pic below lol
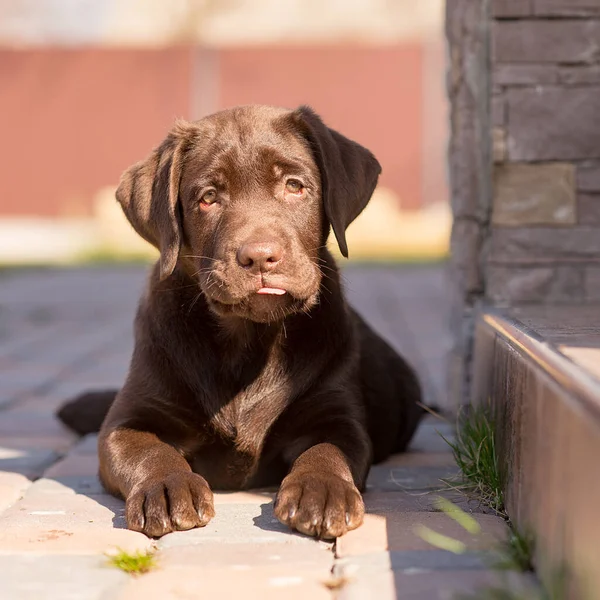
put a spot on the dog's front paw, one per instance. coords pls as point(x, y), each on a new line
point(319, 504)
point(180, 501)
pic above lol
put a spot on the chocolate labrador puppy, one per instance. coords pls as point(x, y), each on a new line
point(249, 368)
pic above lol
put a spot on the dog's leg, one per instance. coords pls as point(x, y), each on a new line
point(320, 496)
point(161, 492)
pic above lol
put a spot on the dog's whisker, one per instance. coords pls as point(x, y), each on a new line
point(199, 256)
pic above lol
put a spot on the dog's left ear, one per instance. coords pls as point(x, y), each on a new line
point(149, 194)
point(349, 172)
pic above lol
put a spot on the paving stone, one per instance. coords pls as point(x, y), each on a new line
point(382, 503)
point(78, 472)
point(98, 540)
point(51, 518)
point(540, 194)
point(74, 464)
point(258, 497)
point(51, 577)
point(272, 582)
point(29, 462)
point(420, 459)
point(39, 405)
point(9, 395)
point(87, 445)
point(65, 511)
point(397, 531)
point(428, 585)
point(27, 376)
point(12, 487)
point(382, 477)
point(48, 486)
point(60, 443)
point(430, 437)
point(410, 560)
point(27, 424)
point(243, 555)
point(239, 524)
point(82, 484)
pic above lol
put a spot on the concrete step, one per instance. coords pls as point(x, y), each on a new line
point(539, 368)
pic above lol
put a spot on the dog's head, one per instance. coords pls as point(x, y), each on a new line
point(244, 199)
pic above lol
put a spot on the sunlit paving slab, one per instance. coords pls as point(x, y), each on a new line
point(239, 523)
point(270, 582)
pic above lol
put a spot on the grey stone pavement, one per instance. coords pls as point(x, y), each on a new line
point(66, 331)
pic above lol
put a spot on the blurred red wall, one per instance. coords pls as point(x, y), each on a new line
point(73, 119)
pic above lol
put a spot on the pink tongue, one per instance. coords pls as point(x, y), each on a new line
point(276, 291)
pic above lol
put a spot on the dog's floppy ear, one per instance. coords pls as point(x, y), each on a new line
point(349, 172)
point(149, 192)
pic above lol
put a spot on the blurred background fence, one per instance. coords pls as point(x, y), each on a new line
point(88, 87)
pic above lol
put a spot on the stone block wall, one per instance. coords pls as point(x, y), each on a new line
point(524, 88)
point(544, 244)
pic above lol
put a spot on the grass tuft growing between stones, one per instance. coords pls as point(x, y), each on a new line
point(476, 456)
point(133, 563)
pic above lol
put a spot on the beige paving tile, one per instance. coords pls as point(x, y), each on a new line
point(249, 497)
point(23, 539)
point(248, 555)
point(55, 577)
point(426, 585)
point(273, 582)
point(12, 487)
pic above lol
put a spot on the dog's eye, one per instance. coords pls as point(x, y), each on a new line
point(294, 186)
point(209, 197)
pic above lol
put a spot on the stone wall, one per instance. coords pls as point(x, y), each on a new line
point(469, 154)
point(532, 236)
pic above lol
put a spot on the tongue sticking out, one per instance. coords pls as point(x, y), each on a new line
point(274, 291)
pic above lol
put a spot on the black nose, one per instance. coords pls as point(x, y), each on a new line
point(259, 256)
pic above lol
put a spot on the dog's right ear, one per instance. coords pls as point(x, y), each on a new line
point(149, 194)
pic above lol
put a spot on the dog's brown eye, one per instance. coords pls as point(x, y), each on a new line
point(209, 197)
point(294, 186)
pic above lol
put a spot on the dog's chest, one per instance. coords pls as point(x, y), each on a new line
point(238, 427)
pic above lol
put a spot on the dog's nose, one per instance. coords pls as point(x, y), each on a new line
point(259, 256)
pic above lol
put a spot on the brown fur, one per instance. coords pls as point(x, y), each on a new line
point(229, 389)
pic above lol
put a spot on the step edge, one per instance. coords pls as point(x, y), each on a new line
point(571, 377)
